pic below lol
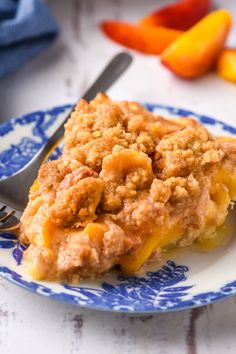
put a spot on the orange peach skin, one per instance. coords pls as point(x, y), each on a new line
point(180, 15)
point(226, 65)
point(148, 40)
point(195, 52)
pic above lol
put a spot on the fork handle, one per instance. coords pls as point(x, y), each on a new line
point(115, 68)
point(15, 189)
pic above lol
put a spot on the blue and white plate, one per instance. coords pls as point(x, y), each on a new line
point(188, 279)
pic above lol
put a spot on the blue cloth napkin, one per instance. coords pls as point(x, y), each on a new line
point(26, 29)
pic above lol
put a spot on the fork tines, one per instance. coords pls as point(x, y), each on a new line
point(9, 218)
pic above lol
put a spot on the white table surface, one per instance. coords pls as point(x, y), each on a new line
point(33, 324)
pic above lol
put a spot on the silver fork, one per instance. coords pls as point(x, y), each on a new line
point(14, 189)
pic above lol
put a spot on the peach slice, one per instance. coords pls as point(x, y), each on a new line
point(226, 65)
point(162, 237)
point(145, 39)
point(120, 163)
point(228, 178)
point(195, 52)
point(95, 232)
point(180, 15)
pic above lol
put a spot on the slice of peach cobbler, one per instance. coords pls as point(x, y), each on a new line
point(128, 184)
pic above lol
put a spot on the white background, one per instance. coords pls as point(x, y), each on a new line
point(33, 324)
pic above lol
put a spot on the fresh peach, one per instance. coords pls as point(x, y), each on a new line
point(145, 39)
point(196, 51)
point(180, 15)
point(226, 64)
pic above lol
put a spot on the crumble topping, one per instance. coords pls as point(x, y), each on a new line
point(124, 172)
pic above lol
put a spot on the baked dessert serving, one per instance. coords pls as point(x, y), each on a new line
point(128, 185)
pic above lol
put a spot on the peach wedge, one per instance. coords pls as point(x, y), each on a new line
point(144, 39)
point(195, 52)
point(226, 65)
